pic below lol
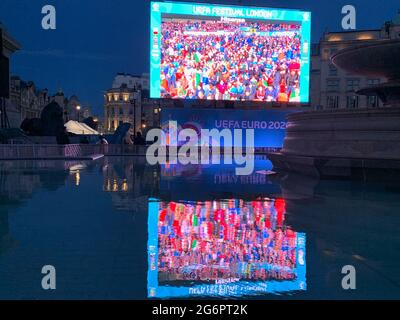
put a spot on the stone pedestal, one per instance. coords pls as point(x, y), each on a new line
point(340, 143)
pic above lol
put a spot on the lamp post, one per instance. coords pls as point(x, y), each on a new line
point(78, 109)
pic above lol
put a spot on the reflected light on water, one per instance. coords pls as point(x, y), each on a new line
point(77, 178)
point(227, 248)
point(138, 235)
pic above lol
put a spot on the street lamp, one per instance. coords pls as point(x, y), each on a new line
point(78, 108)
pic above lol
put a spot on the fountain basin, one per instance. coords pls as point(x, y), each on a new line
point(377, 59)
point(338, 143)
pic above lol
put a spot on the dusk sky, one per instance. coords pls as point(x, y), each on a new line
point(96, 39)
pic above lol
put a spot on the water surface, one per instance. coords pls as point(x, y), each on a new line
point(118, 228)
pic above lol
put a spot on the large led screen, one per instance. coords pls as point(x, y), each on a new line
point(230, 53)
point(228, 248)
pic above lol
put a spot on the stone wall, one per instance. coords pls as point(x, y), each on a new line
point(362, 134)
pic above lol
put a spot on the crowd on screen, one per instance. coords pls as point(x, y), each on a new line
point(209, 241)
point(230, 61)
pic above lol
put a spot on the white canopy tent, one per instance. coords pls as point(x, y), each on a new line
point(79, 128)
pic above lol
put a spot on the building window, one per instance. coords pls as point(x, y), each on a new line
point(332, 102)
point(353, 85)
point(352, 102)
point(373, 82)
point(332, 70)
point(126, 96)
point(116, 97)
point(121, 111)
point(332, 85)
point(372, 102)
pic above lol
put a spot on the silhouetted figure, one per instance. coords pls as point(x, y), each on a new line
point(62, 137)
point(139, 140)
point(128, 139)
point(103, 144)
point(102, 140)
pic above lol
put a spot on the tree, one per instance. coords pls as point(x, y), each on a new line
point(91, 123)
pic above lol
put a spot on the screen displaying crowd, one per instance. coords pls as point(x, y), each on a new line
point(229, 239)
point(236, 60)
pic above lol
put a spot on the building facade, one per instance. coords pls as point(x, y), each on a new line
point(122, 105)
point(27, 100)
point(128, 102)
point(8, 45)
point(332, 88)
point(141, 82)
point(75, 110)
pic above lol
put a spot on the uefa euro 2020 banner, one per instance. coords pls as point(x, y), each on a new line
point(269, 125)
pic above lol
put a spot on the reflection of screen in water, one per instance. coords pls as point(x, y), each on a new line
point(223, 248)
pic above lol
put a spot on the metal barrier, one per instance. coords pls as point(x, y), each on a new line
point(122, 149)
point(44, 151)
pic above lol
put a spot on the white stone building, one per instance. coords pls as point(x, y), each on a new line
point(128, 102)
point(140, 82)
